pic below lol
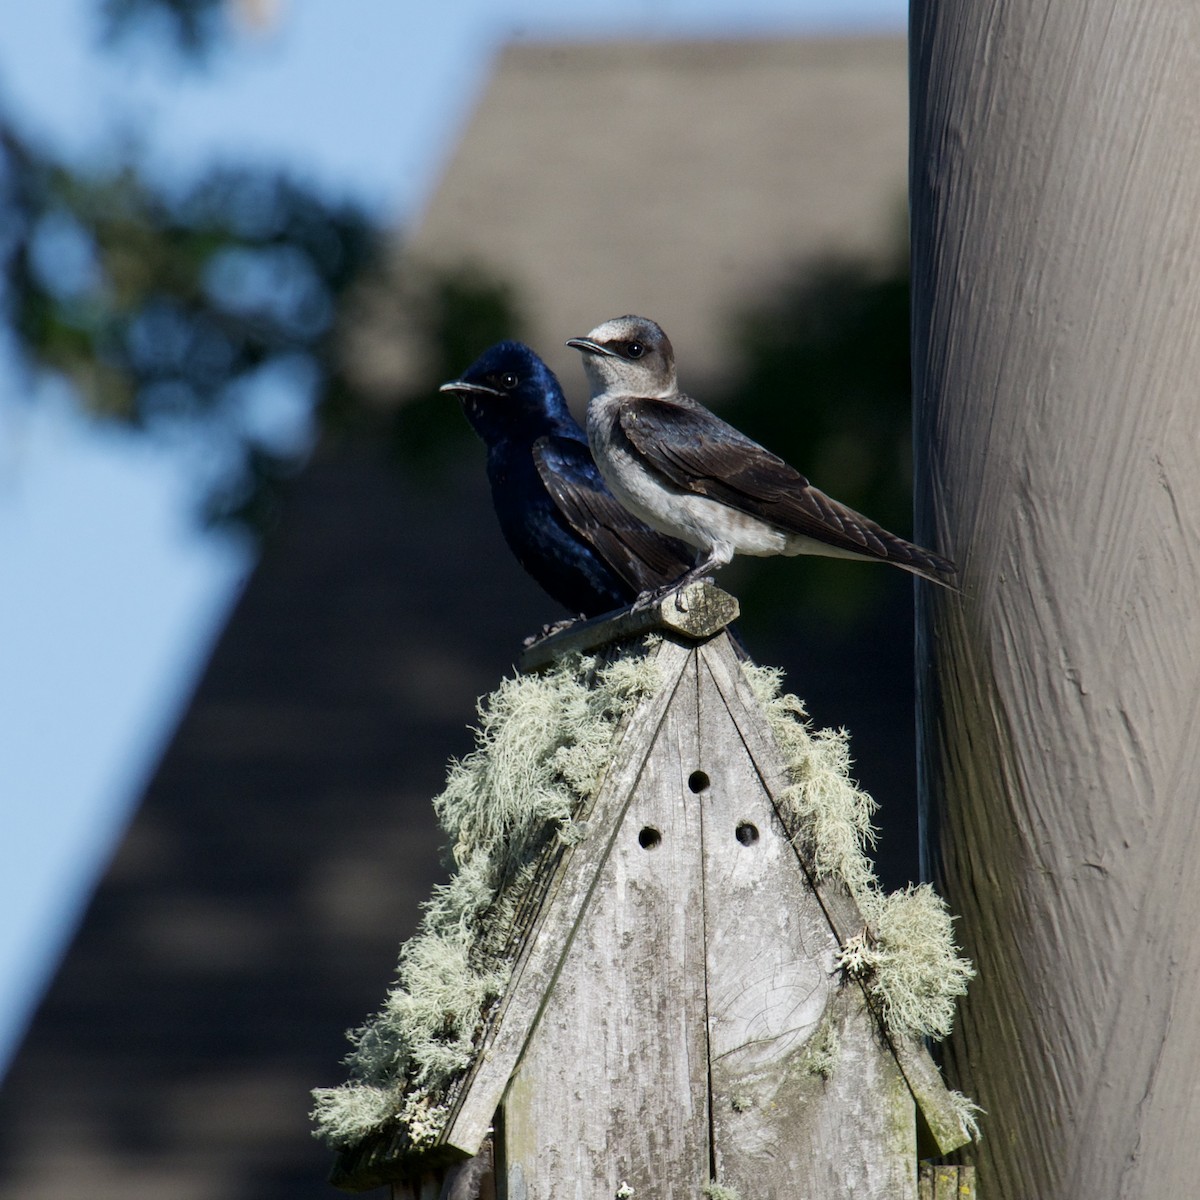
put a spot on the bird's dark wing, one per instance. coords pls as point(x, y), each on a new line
point(643, 558)
point(698, 452)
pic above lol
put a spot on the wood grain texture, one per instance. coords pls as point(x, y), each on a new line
point(941, 1125)
point(697, 1026)
point(936, 1182)
point(473, 1179)
point(755, 735)
point(613, 1084)
point(569, 891)
point(1056, 268)
point(785, 1123)
point(676, 1014)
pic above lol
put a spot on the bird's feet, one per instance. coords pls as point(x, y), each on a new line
point(550, 630)
point(651, 599)
point(677, 589)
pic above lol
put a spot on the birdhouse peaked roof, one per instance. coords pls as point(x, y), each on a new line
point(691, 924)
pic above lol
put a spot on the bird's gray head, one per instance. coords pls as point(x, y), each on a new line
point(628, 355)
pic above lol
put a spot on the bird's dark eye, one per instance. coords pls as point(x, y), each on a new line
point(634, 349)
point(508, 380)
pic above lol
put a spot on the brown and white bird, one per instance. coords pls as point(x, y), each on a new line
point(687, 473)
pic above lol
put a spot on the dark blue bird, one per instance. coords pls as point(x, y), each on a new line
point(557, 515)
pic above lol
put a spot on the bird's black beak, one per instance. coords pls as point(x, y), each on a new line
point(460, 387)
point(590, 347)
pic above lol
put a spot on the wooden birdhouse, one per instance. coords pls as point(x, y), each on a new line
point(683, 1017)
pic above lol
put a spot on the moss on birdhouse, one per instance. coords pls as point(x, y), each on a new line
point(906, 957)
point(541, 747)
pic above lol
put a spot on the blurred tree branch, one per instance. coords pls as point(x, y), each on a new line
point(170, 311)
point(191, 26)
point(217, 313)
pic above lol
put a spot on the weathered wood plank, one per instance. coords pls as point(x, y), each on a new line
point(804, 1102)
point(946, 1183)
point(675, 1015)
point(573, 884)
point(939, 1115)
point(612, 1088)
point(706, 610)
point(940, 1127)
point(751, 726)
point(1058, 430)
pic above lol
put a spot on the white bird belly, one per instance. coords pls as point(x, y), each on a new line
point(697, 520)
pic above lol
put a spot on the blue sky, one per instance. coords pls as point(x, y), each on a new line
point(110, 597)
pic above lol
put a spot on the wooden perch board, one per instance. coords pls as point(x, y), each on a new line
point(701, 610)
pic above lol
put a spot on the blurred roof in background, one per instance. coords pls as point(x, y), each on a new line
point(678, 180)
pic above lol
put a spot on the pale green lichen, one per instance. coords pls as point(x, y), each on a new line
point(821, 799)
point(822, 1050)
point(717, 1191)
point(968, 1113)
point(542, 745)
point(909, 961)
point(906, 957)
point(541, 748)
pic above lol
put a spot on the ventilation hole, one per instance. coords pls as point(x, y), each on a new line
point(746, 833)
point(698, 781)
point(649, 838)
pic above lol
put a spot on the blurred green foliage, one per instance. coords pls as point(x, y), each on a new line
point(177, 312)
point(462, 311)
point(213, 314)
point(822, 379)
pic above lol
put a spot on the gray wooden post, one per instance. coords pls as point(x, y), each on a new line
point(657, 1037)
point(1056, 317)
